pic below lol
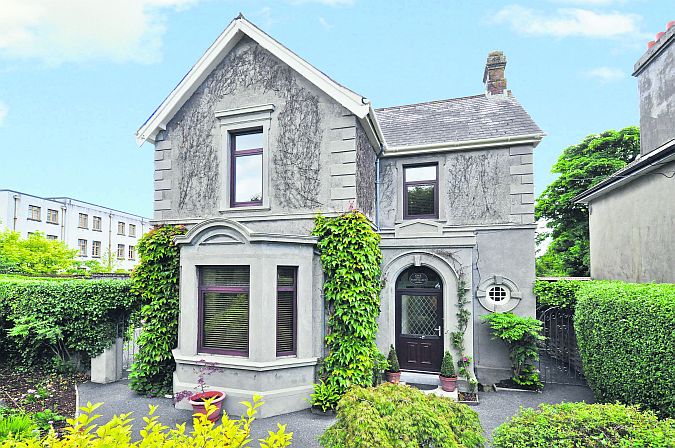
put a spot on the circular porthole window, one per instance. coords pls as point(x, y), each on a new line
point(498, 294)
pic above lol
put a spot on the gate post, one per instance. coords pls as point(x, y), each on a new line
point(107, 367)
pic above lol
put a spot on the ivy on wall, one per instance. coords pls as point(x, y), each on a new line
point(351, 256)
point(155, 280)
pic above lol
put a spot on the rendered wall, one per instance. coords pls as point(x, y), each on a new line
point(656, 82)
point(632, 230)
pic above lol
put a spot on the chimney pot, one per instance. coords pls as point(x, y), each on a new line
point(650, 44)
point(670, 25)
point(493, 77)
point(659, 35)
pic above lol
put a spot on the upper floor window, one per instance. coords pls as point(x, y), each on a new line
point(420, 191)
point(96, 249)
point(84, 221)
point(132, 252)
point(120, 251)
point(96, 223)
point(246, 168)
point(34, 212)
point(52, 216)
point(120, 228)
point(132, 229)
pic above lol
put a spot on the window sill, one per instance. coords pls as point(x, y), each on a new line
point(83, 228)
point(52, 222)
point(97, 230)
point(236, 362)
point(32, 219)
point(246, 207)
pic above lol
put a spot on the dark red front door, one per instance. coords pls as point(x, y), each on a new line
point(419, 329)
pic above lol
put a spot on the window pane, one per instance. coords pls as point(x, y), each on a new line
point(225, 321)
point(419, 315)
point(248, 178)
point(248, 141)
point(415, 173)
point(421, 200)
point(225, 276)
point(286, 293)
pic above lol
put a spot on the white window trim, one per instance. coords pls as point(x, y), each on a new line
point(513, 294)
point(239, 119)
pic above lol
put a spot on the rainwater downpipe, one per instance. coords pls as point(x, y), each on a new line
point(377, 190)
point(16, 207)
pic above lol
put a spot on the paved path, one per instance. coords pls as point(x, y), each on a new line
point(494, 409)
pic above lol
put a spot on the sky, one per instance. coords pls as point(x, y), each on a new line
point(78, 77)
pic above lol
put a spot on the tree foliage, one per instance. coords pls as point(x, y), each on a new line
point(579, 167)
point(155, 280)
point(35, 255)
point(350, 255)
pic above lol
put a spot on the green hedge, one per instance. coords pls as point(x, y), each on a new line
point(572, 425)
point(626, 336)
point(44, 320)
point(392, 415)
point(560, 293)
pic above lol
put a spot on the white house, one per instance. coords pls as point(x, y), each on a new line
point(91, 229)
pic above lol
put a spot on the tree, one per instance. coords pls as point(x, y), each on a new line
point(580, 167)
point(33, 255)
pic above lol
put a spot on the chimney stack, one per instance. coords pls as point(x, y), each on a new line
point(493, 77)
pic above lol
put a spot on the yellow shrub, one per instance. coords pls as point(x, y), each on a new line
point(82, 432)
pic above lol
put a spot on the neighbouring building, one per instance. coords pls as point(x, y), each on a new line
point(91, 229)
point(255, 141)
point(632, 213)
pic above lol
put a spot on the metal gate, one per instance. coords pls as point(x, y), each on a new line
point(129, 335)
point(559, 360)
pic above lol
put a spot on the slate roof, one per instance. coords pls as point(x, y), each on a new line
point(455, 120)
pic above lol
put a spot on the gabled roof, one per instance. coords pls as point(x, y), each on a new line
point(471, 118)
point(238, 28)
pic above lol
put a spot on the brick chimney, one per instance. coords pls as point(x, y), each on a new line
point(493, 77)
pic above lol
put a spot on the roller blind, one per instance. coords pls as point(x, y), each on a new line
point(286, 310)
point(224, 309)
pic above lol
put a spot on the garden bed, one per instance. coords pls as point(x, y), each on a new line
point(36, 392)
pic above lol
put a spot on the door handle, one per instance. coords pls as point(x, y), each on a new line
point(438, 330)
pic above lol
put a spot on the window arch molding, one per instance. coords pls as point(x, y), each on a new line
point(498, 294)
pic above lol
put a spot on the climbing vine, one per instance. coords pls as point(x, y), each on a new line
point(155, 280)
point(350, 255)
point(457, 337)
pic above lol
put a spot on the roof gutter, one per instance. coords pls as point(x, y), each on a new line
point(463, 145)
point(664, 154)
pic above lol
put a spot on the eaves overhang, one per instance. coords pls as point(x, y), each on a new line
point(532, 139)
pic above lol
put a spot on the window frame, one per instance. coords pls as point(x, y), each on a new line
point(200, 311)
point(79, 247)
point(131, 252)
point(94, 227)
point(121, 228)
point(293, 289)
point(132, 230)
point(100, 249)
point(51, 211)
point(406, 184)
point(86, 221)
point(122, 251)
point(234, 153)
point(31, 210)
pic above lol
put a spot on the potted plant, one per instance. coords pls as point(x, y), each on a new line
point(394, 369)
point(448, 376)
point(200, 399)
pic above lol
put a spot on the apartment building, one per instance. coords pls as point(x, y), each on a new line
point(92, 229)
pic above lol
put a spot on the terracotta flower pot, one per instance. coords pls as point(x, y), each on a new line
point(394, 377)
point(448, 383)
point(199, 406)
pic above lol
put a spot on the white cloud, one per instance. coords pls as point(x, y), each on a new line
point(324, 23)
point(4, 110)
point(75, 30)
point(605, 74)
point(569, 22)
point(586, 2)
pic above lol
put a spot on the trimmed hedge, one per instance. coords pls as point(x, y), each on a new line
point(572, 425)
point(43, 320)
point(626, 336)
point(392, 415)
point(561, 293)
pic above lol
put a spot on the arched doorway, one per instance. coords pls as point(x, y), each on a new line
point(419, 319)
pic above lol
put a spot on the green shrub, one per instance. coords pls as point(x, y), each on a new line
point(325, 396)
point(392, 359)
point(560, 293)
point(577, 425)
point(226, 433)
point(392, 415)
point(350, 255)
point(522, 334)
point(448, 365)
point(155, 280)
point(626, 336)
point(16, 427)
point(64, 321)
